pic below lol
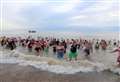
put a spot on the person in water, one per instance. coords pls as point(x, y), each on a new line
point(60, 51)
point(97, 46)
point(30, 45)
point(65, 46)
point(46, 49)
point(118, 58)
point(37, 47)
point(54, 48)
point(11, 44)
point(3, 41)
point(103, 44)
point(87, 48)
point(73, 51)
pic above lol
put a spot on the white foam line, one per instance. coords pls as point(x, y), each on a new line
point(59, 69)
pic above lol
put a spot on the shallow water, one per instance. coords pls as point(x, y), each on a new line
point(17, 73)
point(98, 61)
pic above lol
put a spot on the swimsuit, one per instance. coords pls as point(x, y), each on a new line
point(73, 52)
point(60, 53)
point(72, 55)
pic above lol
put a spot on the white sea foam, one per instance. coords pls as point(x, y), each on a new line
point(115, 70)
point(54, 65)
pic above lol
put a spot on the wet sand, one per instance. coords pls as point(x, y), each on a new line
point(17, 73)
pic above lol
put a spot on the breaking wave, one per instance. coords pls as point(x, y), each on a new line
point(53, 64)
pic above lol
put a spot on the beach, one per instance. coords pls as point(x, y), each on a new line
point(16, 73)
point(20, 65)
point(59, 41)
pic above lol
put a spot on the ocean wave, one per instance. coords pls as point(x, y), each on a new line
point(52, 64)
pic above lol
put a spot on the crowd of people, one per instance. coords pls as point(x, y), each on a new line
point(60, 47)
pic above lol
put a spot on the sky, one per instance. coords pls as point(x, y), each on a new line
point(60, 15)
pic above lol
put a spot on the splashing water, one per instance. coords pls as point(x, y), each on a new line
point(55, 65)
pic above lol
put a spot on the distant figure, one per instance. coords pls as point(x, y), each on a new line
point(97, 46)
point(103, 44)
point(23, 43)
point(3, 41)
point(115, 44)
